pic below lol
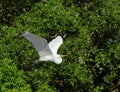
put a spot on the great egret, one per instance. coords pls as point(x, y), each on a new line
point(47, 52)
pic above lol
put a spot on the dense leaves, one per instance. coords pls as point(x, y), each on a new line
point(91, 33)
point(12, 79)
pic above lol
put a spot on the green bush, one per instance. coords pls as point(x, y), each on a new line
point(12, 79)
point(91, 36)
point(9, 9)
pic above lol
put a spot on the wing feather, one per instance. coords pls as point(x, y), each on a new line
point(55, 44)
point(40, 44)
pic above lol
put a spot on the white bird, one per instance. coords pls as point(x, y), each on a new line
point(47, 52)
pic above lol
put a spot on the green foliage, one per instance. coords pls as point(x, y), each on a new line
point(11, 79)
point(53, 19)
point(91, 36)
point(11, 8)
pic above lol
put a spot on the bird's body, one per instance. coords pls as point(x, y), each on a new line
point(55, 58)
point(47, 52)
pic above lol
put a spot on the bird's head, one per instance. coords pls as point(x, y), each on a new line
point(58, 59)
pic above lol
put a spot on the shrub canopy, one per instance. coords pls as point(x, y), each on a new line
point(91, 34)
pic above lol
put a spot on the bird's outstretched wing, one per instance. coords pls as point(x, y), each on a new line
point(40, 44)
point(55, 44)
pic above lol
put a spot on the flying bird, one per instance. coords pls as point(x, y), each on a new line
point(47, 51)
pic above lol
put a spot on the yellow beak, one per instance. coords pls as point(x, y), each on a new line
point(63, 55)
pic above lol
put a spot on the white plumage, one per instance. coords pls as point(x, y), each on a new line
point(47, 52)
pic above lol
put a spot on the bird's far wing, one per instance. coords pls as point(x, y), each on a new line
point(55, 44)
point(40, 44)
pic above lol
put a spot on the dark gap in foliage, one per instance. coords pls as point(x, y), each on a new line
point(81, 2)
point(103, 38)
point(29, 67)
point(99, 78)
point(62, 83)
point(106, 34)
point(12, 8)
